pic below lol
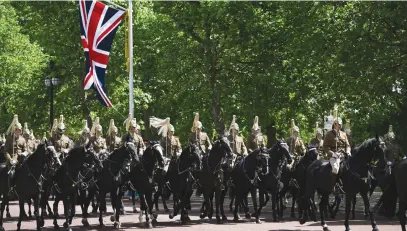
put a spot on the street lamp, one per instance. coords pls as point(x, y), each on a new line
point(51, 82)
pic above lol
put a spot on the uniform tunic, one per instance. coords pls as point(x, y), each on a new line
point(202, 139)
point(255, 142)
point(62, 143)
point(335, 141)
point(82, 141)
point(237, 145)
point(319, 145)
point(99, 143)
point(113, 143)
point(31, 145)
point(14, 146)
point(136, 140)
point(296, 146)
point(171, 146)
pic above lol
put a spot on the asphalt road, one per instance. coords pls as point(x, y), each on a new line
point(130, 221)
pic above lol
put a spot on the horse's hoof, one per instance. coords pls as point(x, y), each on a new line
point(326, 229)
point(258, 221)
point(167, 210)
point(56, 226)
point(94, 211)
point(85, 222)
point(2, 228)
point(303, 221)
point(149, 225)
point(157, 209)
point(171, 216)
point(112, 218)
point(8, 215)
point(224, 218)
point(57, 215)
point(41, 223)
point(202, 216)
point(122, 212)
point(218, 220)
point(117, 225)
point(39, 229)
point(101, 225)
point(248, 216)
point(236, 219)
point(254, 214)
point(66, 225)
point(375, 229)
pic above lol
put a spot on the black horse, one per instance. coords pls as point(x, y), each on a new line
point(114, 175)
point(142, 180)
point(182, 176)
point(298, 179)
point(353, 173)
point(212, 178)
point(245, 175)
point(163, 190)
point(69, 177)
point(28, 181)
point(271, 182)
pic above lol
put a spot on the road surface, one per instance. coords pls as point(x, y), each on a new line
point(130, 221)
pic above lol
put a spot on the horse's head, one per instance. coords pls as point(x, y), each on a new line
point(279, 151)
point(131, 153)
point(90, 158)
point(51, 153)
point(223, 144)
point(157, 153)
point(262, 159)
point(191, 156)
point(379, 148)
point(312, 153)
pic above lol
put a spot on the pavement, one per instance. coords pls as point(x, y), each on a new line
point(130, 221)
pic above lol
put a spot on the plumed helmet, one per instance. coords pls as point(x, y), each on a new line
point(318, 130)
point(54, 127)
point(347, 127)
point(233, 124)
point(296, 129)
point(390, 134)
point(85, 127)
point(96, 127)
point(14, 125)
point(196, 124)
point(328, 122)
point(61, 126)
point(44, 137)
point(26, 130)
point(338, 120)
point(171, 128)
point(163, 125)
point(112, 127)
point(255, 126)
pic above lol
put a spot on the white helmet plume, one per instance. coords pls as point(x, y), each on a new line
point(163, 125)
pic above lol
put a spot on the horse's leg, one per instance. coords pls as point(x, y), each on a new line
point(86, 202)
point(294, 193)
point(156, 198)
point(324, 201)
point(253, 193)
point(401, 215)
point(367, 205)
point(353, 208)
point(55, 207)
point(335, 207)
point(232, 199)
point(118, 208)
point(8, 215)
point(222, 200)
point(36, 201)
point(348, 201)
point(165, 204)
point(4, 202)
point(67, 210)
point(210, 205)
point(133, 198)
point(236, 216)
point(218, 191)
point(20, 217)
point(261, 201)
point(152, 214)
point(29, 203)
point(102, 202)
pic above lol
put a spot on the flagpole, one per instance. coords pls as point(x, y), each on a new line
point(131, 97)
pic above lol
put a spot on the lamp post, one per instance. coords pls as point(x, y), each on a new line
point(51, 82)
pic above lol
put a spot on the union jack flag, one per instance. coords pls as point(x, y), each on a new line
point(99, 24)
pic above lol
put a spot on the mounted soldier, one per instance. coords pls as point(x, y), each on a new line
point(393, 152)
point(113, 141)
point(170, 143)
point(239, 149)
point(256, 139)
point(318, 142)
point(36, 140)
point(96, 139)
point(335, 144)
point(14, 147)
point(131, 136)
point(31, 145)
point(85, 135)
point(295, 144)
point(61, 142)
point(199, 137)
